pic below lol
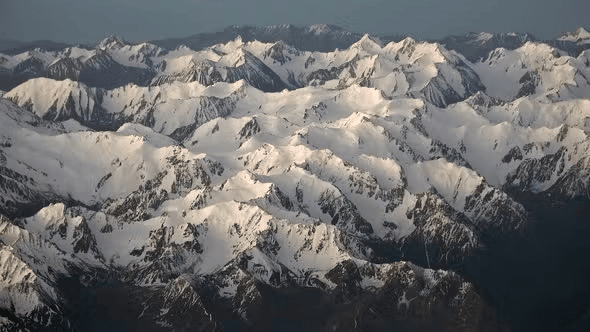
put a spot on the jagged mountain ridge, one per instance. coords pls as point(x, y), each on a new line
point(407, 68)
point(193, 104)
point(113, 62)
point(96, 67)
point(535, 69)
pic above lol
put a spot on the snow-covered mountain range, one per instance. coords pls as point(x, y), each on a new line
point(315, 37)
point(206, 181)
point(113, 62)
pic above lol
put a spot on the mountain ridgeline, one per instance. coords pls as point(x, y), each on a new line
point(296, 178)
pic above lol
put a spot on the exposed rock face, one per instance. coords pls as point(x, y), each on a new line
point(107, 110)
point(207, 72)
point(179, 300)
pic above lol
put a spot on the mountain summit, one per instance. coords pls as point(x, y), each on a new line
point(581, 35)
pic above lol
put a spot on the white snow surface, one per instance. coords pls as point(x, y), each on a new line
point(581, 36)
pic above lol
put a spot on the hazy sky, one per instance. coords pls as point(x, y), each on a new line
point(139, 20)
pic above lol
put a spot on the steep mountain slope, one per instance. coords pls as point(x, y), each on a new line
point(533, 145)
point(574, 42)
point(537, 70)
point(221, 63)
point(580, 36)
point(16, 69)
point(105, 66)
point(192, 104)
point(410, 67)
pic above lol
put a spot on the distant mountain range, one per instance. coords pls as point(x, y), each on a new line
point(327, 37)
point(319, 37)
point(114, 62)
point(16, 47)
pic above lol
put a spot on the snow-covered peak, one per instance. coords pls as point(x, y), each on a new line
point(581, 35)
point(36, 56)
point(484, 37)
point(50, 98)
point(529, 52)
point(536, 49)
point(407, 48)
point(13, 117)
point(154, 138)
point(368, 44)
point(113, 42)
point(408, 41)
point(584, 58)
point(318, 29)
point(230, 47)
point(230, 54)
point(533, 69)
point(138, 55)
point(496, 54)
point(409, 51)
point(77, 53)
